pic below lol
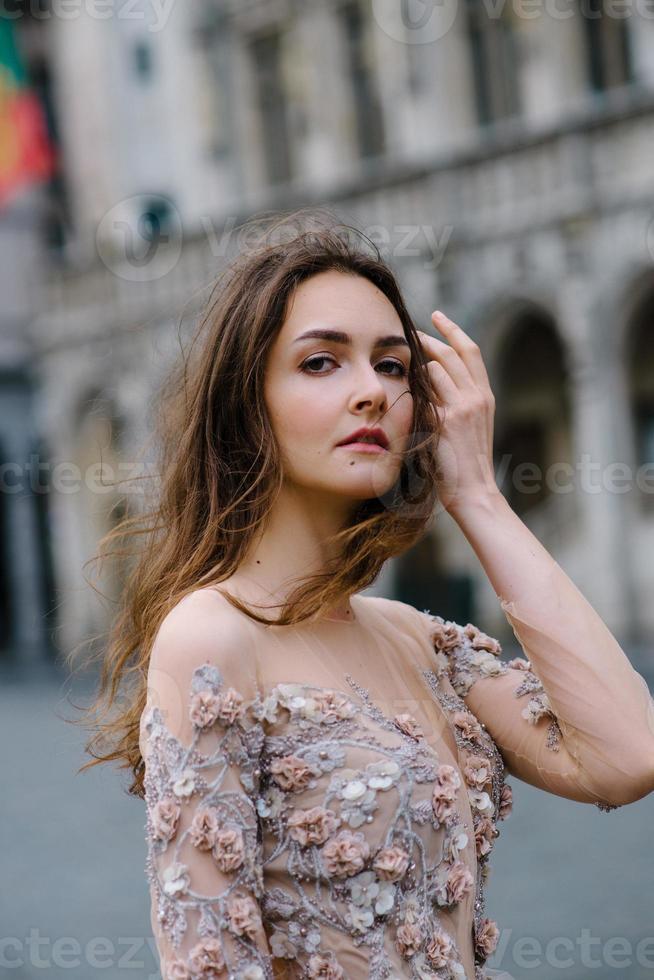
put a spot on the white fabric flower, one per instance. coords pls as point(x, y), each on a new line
point(266, 710)
point(271, 803)
point(361, 918)
point(386, 898)
point(176, 879)
point(185, 785)
point(353, 789)
point(480, 800)
point(536, 708)
point(251, 972)
point(282, 947)
point(364, 888)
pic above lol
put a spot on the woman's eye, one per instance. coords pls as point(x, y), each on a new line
point(319, 358)
point(396, 364)
point(313, 360)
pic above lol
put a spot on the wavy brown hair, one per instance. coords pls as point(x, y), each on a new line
point(220, 470)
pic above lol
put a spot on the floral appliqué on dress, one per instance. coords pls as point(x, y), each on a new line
point(278, 788)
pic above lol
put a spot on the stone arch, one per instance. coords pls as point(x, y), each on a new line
point(637, 346)
point(529, 369)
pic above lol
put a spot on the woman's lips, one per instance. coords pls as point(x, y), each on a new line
point(363, 447)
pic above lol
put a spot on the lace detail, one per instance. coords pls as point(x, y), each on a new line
point(369, 825)
point(321, 832)
point(472, 654)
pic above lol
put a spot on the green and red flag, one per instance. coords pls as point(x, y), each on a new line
point(26, 153)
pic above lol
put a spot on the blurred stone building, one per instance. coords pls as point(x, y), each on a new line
point(501, 155)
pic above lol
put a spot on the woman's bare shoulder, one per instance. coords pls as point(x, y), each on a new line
point(394, 609)
point(202, 625)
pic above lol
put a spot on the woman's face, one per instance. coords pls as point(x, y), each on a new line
point(319, 390)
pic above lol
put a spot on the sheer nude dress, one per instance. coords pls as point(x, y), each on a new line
point(322, 800)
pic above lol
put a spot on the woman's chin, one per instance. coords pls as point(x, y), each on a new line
point(364, 485)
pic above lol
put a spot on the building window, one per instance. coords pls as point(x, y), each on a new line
point(607, 45)
point(493, 52)
point(533, 425)
point(644, 414)
point(266, 52)
point(640, 374)
point(360, 59)
point(143, 64)
point(156, 219)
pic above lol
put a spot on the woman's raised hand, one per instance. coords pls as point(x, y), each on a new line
point(465, 449)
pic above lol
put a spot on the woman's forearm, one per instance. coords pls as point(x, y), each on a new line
point(603, 704)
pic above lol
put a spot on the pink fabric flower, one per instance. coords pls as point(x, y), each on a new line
point(408, 938)
point(408, 724)
point(230, 706)
point(312, 826)
point(506, 801)
point(444, 792)
point(204, 828)
point(448, 779)
point(291, 773)
point(333, 707)
point(519, 663)
point(477, 771)
point(481, 641)
point(229, 849)
point(243, 916)
point(165, 816)
point(324, 967)
point(467, 724)
point(485, 834)
point(345, 854)
point(204, 708)
point(206, 959)
point(459, 881)
point(486, 938)
point(439, 949)
point(391, 863)
point(445, 636)
point(178, 970)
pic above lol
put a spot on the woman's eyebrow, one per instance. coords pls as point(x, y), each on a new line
point(339, 337)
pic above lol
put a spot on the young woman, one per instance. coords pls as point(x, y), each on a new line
point(324, 771)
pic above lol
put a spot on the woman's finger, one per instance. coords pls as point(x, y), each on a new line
point(448, 358)
point(442, 382)
point(464, 345)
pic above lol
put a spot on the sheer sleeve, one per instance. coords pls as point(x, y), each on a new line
point(201, 746)
point(575, 718)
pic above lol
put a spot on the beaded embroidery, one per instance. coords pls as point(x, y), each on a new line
point(472, 654)
point(377, 888)
point(310, 768)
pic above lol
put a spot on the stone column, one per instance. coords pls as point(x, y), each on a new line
point(19, 267)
